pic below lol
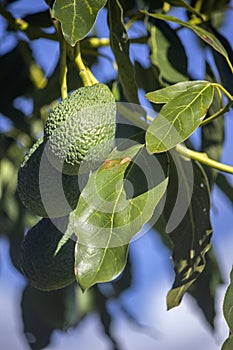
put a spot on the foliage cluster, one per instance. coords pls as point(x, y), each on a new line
point(182, 105)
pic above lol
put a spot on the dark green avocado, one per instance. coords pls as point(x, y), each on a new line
point(43, 189)
point(81, 130)
point(43, 269)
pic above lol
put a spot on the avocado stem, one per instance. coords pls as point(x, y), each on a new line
point(84, 73)
point(63, 69)
point(63, 60)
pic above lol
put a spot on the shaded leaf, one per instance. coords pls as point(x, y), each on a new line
point(42, 313)
point(212, 9)
point(225, 186)
point(182, 3)
point(205, 35)
point(105, 317)
point(228, 313)
point(186, 214)
point(77, 17)
point(105, 220)
point(167, 52)
point(119, 42)
point(39, 19)
point(180, 117)
point(147, 78)
point(124, 280)
point(204, 288)
point(223, 68)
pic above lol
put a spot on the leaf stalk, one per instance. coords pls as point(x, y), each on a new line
point(204, 159)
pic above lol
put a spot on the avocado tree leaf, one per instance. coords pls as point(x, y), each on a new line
point(228, 344)
point(186, 214)
point(147, 78)
point(105, 220)
point(182, 3)
point(203, 290)
point(167, 52)
point(205, 35)
point(223, 68)
point(168, 93)
point(180, 117)
point(228, 313)
point(42, 313)
point(119, 42)
point(212, 134)
point(225, 186)
point(77, 17)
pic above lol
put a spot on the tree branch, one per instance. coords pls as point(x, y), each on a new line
point(20, 24)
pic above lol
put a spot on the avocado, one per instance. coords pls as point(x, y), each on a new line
point(81, 130)
point(43, 269)
point(44, 190)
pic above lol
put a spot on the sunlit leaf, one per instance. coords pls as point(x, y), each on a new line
point(168, 93)
point(105, 220)
point(120, 46)
point(180, 117)
point(186, 214)
point(77, 17)
point(206, 36)
point(212, 134)
point(228, 313)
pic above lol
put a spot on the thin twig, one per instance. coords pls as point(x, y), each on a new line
point(22, 25)
point(203, 158)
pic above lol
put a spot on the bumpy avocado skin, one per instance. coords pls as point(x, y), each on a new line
point(81, 129)
point(43, 270)
point(42, 189)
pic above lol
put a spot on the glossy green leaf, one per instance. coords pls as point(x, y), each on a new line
point(119, 42)
point(168, 93)
point(167, 52)
point(228, 344)
point(206, 36)
point(105, 220)
point(182, 3)
point(212, 134)
point(186, 216)
point(180, 117)
point(228, 313)
point(77, 17)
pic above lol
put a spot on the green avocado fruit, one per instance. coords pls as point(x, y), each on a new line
point(80, 130)
point(43, 269)
point(43, 189)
